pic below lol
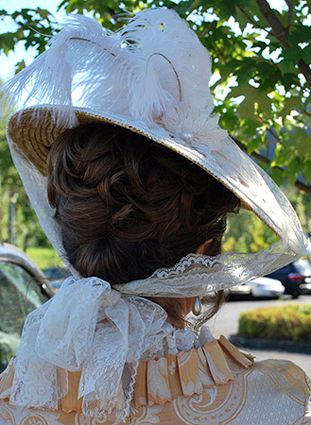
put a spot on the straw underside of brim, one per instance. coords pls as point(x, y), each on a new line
point(34, 134)
point(34, 131)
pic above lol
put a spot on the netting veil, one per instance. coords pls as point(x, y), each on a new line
point(152, 76)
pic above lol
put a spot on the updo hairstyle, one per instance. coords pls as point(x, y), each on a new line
point(127, 206)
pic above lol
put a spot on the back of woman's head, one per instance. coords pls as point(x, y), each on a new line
point(127, 206)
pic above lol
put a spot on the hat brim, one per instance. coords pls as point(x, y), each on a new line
point(33, 131)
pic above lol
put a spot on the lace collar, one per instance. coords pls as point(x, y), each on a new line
point(103, 342)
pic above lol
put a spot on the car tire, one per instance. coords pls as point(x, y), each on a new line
point(295, 296)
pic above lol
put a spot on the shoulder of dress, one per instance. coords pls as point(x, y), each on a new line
point(286, 375)
point(283, 367)
point(289, 380)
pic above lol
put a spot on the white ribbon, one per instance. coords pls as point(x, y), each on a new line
point(66, 331)
point(89, 327)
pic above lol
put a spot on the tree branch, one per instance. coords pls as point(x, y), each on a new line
point(249, 17)
point(281, 33)
point(305, 70)
point(290, 15)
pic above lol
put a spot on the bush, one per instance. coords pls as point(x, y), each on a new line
point(289, 322)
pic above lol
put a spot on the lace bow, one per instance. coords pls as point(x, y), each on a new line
point(89, 327)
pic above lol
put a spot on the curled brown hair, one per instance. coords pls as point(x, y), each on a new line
point(127, 206)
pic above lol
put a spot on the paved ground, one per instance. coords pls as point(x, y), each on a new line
point(226, 323)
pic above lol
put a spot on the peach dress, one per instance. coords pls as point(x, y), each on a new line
point(215, 384)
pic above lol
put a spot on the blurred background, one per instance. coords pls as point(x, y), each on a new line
point(261, 84)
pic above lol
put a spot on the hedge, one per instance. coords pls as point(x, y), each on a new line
point(289, 322)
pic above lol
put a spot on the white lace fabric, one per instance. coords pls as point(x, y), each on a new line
point(200, 275)
point(104, 337)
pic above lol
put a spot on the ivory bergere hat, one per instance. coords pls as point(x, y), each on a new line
point(151, 77)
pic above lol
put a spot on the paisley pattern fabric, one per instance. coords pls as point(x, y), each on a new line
point(215, 384)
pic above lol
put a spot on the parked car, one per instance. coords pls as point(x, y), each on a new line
point(295, 277)
point(304, 267)
point(262, 287)
point(56, 273)
point(23, 287)
point(56, 276)
point(266, 287)
point(240, 291)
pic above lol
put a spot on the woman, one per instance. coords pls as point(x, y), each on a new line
point(132, 181)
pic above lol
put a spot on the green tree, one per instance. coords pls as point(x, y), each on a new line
point(27, 228)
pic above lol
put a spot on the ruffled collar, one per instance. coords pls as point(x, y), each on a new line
point(171, 341)
point(187, 373)
point(160, 379)
point(101, 346)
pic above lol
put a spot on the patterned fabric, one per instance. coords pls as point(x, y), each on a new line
point(213, 385)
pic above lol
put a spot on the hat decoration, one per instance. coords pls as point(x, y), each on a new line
point(136, 62)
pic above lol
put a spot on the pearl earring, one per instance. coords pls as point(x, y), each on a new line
point(197, 306)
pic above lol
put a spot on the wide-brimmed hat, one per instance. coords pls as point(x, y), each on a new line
point(151, 77)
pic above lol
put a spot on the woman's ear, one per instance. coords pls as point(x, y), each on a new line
point(203, 248)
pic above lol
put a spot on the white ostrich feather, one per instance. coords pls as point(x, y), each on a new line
point(50, 78)
point(174, 65)
point(195, 127)
point(143, 71)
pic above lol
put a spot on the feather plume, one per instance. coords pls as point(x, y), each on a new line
point(50, 78)
point(161, 33)
point(142, 71)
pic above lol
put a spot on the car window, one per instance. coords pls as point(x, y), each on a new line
point(286, 269)
point(20, 293)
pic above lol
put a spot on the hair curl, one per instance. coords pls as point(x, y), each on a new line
point(127, 206)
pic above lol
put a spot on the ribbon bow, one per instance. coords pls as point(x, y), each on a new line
point(89, 327)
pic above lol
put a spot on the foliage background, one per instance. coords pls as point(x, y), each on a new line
point(261, 84)
point(289, 322)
